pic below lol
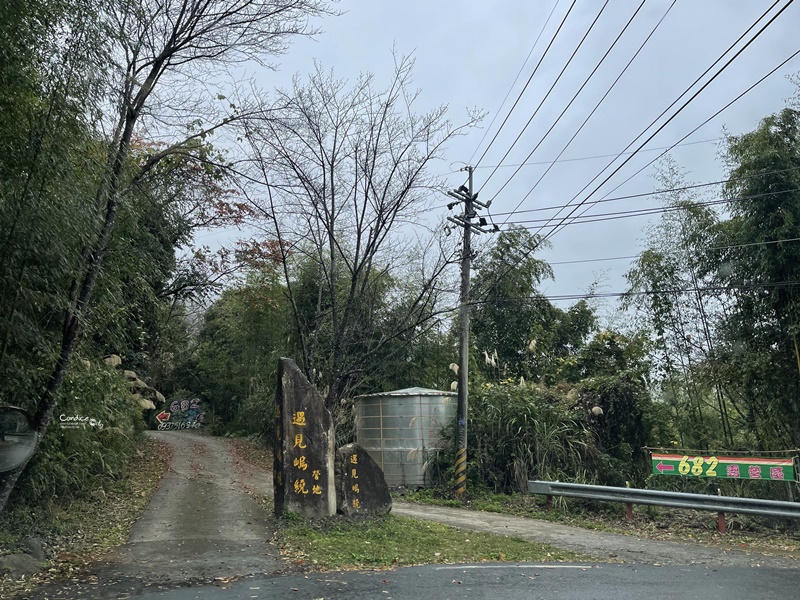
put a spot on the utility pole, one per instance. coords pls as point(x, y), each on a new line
point(465, 195)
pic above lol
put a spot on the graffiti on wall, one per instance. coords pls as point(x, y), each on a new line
point(182, 414)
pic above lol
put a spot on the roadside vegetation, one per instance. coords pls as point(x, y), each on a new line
point(77, 531)
point(659, 523)
point(392, 541)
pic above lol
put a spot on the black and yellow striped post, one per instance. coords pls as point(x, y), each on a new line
point(461, 472)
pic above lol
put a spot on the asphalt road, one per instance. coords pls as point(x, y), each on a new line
point(513, 582)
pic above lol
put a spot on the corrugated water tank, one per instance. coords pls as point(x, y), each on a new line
point(401, 430)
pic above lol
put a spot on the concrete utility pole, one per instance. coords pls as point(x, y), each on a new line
point(466, 196)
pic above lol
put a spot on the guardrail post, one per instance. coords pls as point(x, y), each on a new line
point(549, 504)
point(721, 522)
point(629, 510)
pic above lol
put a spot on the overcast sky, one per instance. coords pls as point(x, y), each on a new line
point(469, 53)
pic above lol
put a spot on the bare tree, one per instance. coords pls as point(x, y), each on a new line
point(161, 50)
point(347, 176)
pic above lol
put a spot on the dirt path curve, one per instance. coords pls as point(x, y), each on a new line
point(202, 524)
point(600, 544)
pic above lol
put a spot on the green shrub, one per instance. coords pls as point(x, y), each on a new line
point(517, 433)
point(75, 462)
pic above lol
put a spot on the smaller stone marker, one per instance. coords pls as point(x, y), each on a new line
point(360, 486)
point(304, 438)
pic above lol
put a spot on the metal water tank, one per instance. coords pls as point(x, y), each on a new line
point(401, 430)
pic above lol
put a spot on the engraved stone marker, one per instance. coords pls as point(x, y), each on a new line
point(360, 486)
point(304, 438)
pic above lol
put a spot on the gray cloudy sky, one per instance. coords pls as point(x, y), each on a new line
point(468, 54)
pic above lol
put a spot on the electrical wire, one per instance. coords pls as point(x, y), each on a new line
point(605, 199)
point(770, 73)
point(676, 113)
point(527, 83)
point(632, 256)
point(508, 93)
point(595, 157)
point(598, 295)
point(586, 120)
point(693, 289)
point(561, 223)
point(549, 91)
point(640, 212)
point(655, 193)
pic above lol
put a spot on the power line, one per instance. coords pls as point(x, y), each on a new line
point(527, 83)
point(770, 73)
point(549, 91)
point(561, 224)
point(593, 260)
point(641, 212)
point(600, 295)
point(580, 158)
point(657, 192)
point(646, 194)
point(508, 93)
point(632, 256)
point(600, 62)
point(685, 104)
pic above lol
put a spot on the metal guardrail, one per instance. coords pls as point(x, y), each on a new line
point(630, 496)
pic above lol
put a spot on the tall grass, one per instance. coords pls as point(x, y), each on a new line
point(521, 433)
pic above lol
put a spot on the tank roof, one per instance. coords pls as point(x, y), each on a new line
point(412, 391)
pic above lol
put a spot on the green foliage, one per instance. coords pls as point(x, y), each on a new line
point(233, 367)
point(620, 430)
point(46, 171)
point(521, 433)
point(722, 303)
point(85, 203)
point(518, 331)
point(608, 353)
point(74, 463)
point(393, 541)
point(760, 332)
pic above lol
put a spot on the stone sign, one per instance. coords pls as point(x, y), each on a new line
point(304, 438)
point(360, 486)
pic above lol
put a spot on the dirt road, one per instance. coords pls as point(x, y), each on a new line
point(203, 524)
point(599, 544)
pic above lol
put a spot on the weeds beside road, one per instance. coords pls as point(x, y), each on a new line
point(77, 534)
